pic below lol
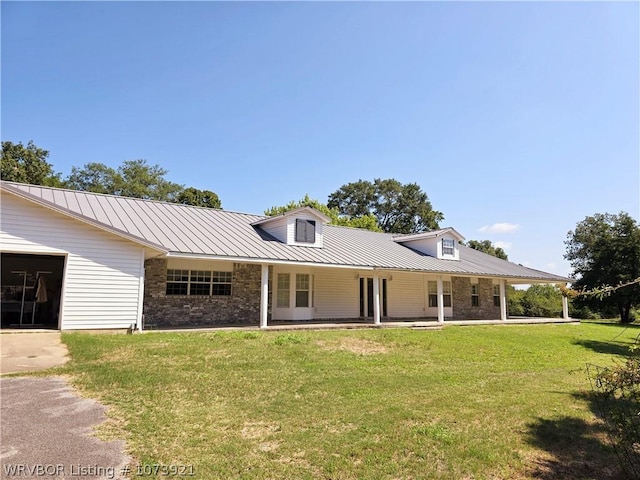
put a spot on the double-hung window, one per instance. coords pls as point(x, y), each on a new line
point(448, 246)
point(302, 290)
point(433, 293)
point(475, 295)
point(496, 295)
point(283, 290)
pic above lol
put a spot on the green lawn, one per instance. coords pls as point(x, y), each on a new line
point(460, 403)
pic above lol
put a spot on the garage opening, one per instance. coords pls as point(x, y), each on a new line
point(31, 288)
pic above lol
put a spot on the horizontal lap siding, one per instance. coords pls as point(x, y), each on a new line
point(405, 295)
point(336, 294)
point(102, 271)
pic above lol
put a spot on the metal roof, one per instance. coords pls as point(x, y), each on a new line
point(204, 232)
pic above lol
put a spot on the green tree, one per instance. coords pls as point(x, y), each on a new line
point(138, 179)
point(93, 177)
point(604, 249)
point(397, 207)
point(366, 221)
point(198, 198)
point(27, 165)
point(134, 178)
point(487, 247)
point(542, 300)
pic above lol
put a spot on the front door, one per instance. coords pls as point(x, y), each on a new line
point(366, 297)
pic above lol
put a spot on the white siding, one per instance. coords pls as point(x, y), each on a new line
point(406, 295)
point(336, 293)
point(277, 228)
point(101, 287)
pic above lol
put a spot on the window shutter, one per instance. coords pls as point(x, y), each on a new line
point(305, 231)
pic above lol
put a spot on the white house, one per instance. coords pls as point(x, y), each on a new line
point(78, 260)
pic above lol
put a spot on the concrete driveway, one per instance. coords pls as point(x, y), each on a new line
point(31, 351)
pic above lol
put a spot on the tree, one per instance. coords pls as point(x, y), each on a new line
point(367, 221)
point(397, 207)
point(93, 177)
point(134, 178)
point(604, 250)
point(198, 198)
point(486, 246)
point(27, 165)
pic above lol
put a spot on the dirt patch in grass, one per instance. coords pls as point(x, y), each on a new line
point(259, 430)
point(359, 346)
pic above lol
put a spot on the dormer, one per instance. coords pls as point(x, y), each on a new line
point(442, 244)
point(301, 227)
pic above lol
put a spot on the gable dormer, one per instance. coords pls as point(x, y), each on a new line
point(301, 227)
point(442, 244)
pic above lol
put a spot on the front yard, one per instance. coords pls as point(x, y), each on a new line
point(460, 403)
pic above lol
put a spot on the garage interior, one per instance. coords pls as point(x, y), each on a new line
point(31, 288)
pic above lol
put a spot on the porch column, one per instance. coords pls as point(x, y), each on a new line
point(264, 296)
point(565, 307)
point(440, 300)
point(376, 299)
point(503, 300)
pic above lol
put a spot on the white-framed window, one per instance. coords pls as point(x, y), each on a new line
point(496, 295)
point(198, 282)
point(432, 287)
point(305, 231)
point(302, 290)
point(475, 295)
point(283, 290)
point(448, 246)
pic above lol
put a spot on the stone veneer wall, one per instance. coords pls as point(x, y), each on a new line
point(462, 309)
point(241, 307)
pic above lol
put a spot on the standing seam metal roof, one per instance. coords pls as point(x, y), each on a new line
point(182, 229)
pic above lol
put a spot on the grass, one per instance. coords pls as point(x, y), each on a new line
point(461, 403)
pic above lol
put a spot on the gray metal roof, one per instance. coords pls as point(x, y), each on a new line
point(186, 230)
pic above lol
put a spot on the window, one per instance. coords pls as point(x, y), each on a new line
point(198, 282)
point(475, 297)
point(302, 290)
point(283, 290)
point(448, 246)
point(446, 288)
point(305, 231)
point(222, 283)
point(177, 282)
point(433, 293)
point(496, 295)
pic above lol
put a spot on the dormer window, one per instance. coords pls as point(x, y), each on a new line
point(448, 246)
point(305, 231)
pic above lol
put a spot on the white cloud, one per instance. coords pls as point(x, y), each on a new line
point(504, 227)
point(503, 245)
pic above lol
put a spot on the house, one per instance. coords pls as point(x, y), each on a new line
point(78, 260)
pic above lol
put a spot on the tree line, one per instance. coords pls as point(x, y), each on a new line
point(604, 249)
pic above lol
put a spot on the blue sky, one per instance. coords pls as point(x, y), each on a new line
point(517, 119)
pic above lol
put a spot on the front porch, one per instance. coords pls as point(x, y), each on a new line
point(194, 293)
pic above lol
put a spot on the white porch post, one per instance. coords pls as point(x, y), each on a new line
point(503, 300)
point(565, 308)
point(264, 296)
point(376, 299)
point(440, 300)
point(139, 315)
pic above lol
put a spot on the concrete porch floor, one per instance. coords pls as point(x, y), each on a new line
point(355, 324)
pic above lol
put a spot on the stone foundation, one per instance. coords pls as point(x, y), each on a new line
point(242, 307)
point(462, 308)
